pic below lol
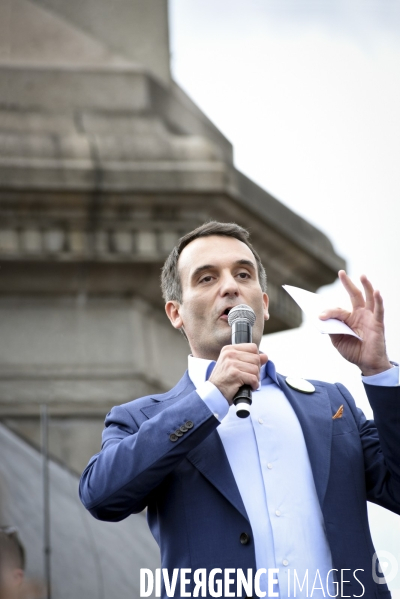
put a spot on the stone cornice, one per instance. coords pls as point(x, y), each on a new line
point(104, 91)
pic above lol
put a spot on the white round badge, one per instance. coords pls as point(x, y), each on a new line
point(300, 385)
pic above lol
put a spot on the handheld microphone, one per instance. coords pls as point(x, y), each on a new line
point(241, 318)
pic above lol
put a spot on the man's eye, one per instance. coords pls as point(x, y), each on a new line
point(244, 275)
point(206, 279)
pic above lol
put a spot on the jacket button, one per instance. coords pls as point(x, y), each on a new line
point(183, 428)
point(244, 538)
point(178, 432)
point(173, 437)
point(189, 424)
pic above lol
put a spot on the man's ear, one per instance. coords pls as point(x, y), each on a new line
point(172, 309)
point(266, 304)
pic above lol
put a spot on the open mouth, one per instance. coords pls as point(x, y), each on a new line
point(225, 313)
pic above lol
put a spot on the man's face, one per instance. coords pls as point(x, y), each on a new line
point(217, 273)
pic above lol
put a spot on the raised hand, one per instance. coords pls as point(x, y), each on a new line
point(365, 319)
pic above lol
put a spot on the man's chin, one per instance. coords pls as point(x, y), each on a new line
point(222, 338)
point(210, 350)
point(223, 331)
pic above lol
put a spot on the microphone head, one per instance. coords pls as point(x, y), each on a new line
point(241, 312)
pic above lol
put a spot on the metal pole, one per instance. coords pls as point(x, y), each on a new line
point(44, 422)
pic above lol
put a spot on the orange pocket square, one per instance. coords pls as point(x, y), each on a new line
point(338, 414)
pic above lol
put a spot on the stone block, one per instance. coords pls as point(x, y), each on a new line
point(78, 242)
point(123, 241)
point(9, 241)
point(54, 240)
point(146, 242)
point(168, 240)
point(31, 241)
point(102, 242)
point(135, 29)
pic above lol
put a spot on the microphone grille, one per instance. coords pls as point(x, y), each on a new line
point(241, 312)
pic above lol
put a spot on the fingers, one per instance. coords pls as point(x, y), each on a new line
point(237, 365)
point(373, 299)
point(355, 294)
point(378, 308)
point(337, 313)
point(247, 352)
point(243, 362)
point(369, 293)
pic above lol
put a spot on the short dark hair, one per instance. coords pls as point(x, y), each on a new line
point(12, 551)
point(170, 280)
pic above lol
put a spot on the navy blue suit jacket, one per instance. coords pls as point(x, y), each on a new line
point(195, 510)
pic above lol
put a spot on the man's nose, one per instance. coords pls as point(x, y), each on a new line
point(229, 285)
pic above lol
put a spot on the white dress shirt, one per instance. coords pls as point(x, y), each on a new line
point(270, 463)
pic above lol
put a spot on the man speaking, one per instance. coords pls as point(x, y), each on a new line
point(282, 491)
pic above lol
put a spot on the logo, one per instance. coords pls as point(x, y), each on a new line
point(384, 567)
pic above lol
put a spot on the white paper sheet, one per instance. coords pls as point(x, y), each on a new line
point(312, 305)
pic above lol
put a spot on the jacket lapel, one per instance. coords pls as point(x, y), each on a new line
point(314, 414)
point(208, 457)
point(211, 460)
point(162, 401)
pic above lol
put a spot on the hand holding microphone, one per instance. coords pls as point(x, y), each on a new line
point(239, 364)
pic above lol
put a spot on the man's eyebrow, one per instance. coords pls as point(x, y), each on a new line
point(246, 263)
point(200, 269)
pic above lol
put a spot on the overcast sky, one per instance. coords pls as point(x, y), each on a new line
point(308, 92)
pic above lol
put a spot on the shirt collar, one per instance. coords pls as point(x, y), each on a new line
point(200, 370)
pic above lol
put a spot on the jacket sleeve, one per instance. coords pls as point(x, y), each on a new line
point(380, 439)
point(135, 459)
